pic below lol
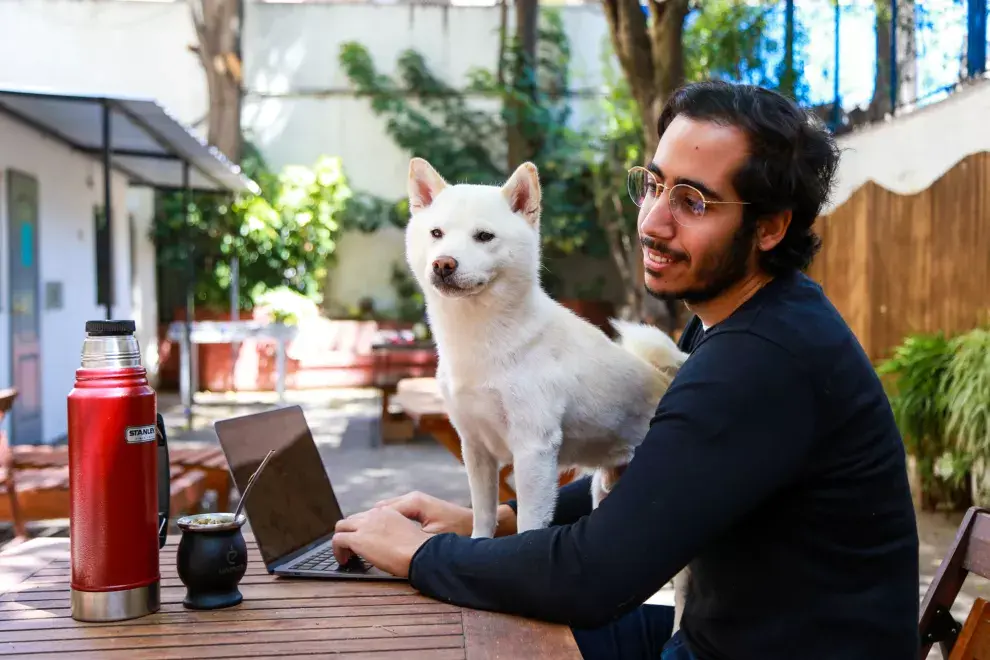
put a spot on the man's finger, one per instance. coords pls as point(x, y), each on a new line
point(408, 508)
point(349, 524)
point(342, 546)
point(392, 501)
point(388, 501)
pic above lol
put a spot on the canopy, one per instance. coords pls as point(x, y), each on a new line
point(145, 142)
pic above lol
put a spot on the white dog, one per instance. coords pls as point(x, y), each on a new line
point(525, 380)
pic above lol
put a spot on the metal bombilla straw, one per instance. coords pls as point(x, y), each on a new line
point(250, 484)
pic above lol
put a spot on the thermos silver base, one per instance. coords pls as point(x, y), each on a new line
point(116, 605)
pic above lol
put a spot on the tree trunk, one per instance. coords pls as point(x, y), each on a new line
point(788, 76)
point(907, 53)
point(622, 248)
point(651, 54)
point(218, 26)
point(527, 21)
point(880, 104)
point(503, 37)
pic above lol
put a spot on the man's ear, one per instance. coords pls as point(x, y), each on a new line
point(770, 230)
point(424, 185)
point(522, 191)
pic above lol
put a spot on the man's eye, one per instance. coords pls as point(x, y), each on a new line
point(436, 233)
point(484, 236)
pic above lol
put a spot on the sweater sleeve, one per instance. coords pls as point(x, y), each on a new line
point(735, 426)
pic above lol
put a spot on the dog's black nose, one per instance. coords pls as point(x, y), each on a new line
point(444, 266)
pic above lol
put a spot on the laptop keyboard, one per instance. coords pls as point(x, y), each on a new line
point(325, 561)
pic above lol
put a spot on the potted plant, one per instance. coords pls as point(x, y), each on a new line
point(967, 406)
point(915, 378)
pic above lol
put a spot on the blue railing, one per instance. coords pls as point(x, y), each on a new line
point(938, 45)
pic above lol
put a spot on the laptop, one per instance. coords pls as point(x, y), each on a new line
point(292, 508)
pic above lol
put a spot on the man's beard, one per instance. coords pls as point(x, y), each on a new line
point(717, 273)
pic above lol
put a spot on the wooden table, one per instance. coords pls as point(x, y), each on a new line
point(279, 617)
point(387, 370)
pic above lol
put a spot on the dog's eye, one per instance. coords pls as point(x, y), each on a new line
point(437, 233)
point(484, 236)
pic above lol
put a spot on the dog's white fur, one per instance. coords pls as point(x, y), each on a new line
point(525, 380)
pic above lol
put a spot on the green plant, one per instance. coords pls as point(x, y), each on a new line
point(967, 393)
point(915, 379)
point(286, 305)
point(939, 391)
point(285, 236)
point(411, 304)
point(427, 117)
point(582, 167)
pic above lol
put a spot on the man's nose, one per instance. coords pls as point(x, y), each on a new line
point(444, 266)
point(657, 220)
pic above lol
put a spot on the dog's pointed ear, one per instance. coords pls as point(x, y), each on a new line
point(522, 191)
point(424, 185)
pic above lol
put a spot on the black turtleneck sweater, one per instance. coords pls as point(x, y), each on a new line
point(772, 466)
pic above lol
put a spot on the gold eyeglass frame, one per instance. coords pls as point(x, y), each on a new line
point(663, 187)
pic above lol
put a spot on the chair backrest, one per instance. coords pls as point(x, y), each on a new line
point(969, 553)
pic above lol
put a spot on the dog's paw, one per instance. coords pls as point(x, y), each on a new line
point(483, 528)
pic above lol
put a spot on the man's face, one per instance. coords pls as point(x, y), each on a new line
point(698, 262)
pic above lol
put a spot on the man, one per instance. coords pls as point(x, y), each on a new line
point(772, 467)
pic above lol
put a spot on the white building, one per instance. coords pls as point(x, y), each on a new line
point(299, 104)
point(60, 263)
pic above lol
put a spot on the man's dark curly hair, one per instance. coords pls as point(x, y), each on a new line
point(792, 161)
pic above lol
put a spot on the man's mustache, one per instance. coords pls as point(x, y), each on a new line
point(656, 246)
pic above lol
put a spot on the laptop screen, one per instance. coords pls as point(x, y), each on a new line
point(291, 503)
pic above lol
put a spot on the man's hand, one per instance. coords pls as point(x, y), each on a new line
point(381, 536)
point(435, 515)
point(439, 516)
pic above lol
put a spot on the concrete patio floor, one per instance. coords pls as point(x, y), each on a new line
point(344, 423)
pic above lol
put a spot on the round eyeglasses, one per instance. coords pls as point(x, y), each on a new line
point(686, 203)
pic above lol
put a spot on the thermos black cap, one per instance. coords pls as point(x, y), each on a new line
point(110, 328)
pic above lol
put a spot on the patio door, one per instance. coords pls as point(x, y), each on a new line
point(25, 317)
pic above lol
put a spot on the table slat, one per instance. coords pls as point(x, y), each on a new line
point(239, 650)
point(245, 624)
point(279, 617)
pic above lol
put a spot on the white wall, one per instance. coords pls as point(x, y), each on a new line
point(138, 49)
point(69, 185)
point(908, 153)
point(299, 103)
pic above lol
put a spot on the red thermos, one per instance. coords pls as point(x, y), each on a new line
point(118, 479)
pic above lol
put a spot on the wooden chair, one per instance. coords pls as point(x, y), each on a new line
point(209, 460)
point(969, 553)
point(7, 476)
point(35, 479)
point(421, 401)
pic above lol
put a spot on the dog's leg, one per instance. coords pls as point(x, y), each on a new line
point(598, 488)
point(482, 473)
point(602, 482)
point(536, 484)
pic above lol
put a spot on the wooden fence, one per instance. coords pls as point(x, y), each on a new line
point(898, 264)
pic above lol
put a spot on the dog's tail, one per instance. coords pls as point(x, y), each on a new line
point(650, 344)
